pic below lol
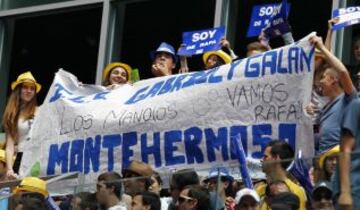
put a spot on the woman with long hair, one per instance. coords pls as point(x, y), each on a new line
point(18, 116)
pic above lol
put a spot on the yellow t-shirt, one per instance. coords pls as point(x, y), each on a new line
point(294, 188)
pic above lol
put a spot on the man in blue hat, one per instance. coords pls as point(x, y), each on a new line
point(164, 60)
point(219, 184)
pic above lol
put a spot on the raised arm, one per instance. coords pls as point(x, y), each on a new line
point(344, 76)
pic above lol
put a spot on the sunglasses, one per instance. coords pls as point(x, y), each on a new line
point(183, 198)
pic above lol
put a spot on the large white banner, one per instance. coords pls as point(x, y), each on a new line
point(175, 122)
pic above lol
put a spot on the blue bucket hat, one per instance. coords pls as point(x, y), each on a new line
point(164, 47)
point(222, 171)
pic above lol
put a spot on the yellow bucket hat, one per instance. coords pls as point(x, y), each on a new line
point(32, 184)
point(223, 55)
point(333, 151)
point(26, 77)
point(111, 66)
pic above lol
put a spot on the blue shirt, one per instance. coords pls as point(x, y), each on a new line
point(330, 121)
point(351, 123)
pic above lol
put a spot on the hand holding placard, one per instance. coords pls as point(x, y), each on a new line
point(199, 42)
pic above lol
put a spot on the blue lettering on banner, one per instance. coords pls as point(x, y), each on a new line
point(130, 139)
point(151, 150)
point(92, 154)
point(192, 139)
point(172, 137)
point(199, 42)
point(260, 16)
point(268, 63)
point(58, 156)
point(110, 142)
point(216, 142)
point(62, 93)
point(199, 145)
point(261, 136)
point(347, 17)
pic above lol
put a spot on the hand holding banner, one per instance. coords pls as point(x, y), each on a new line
point(178, 121)
point(199, 42)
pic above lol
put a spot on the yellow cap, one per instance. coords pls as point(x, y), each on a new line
point(111, 66)
point(333, 151)
point(25, 77)
point(223, 55)
point(32, 184)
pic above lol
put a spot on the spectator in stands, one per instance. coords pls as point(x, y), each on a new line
point(346, 180)
point(247, 199)
point(217, 58)
point(84, 201)
point(221, 190)
point(156, 183)
point(38, 187)
point(31, 203)
point(225, 46)
point(116, 74)
point(108, 192)
point(137, 177)
point(336, 84)
point(322, 197)
point(146, 201)
point(18, 117)
point(277, 158)
point(356, 68)
point(156, 187)
point(179, 180)
point(328, 162)
point(274, 188)
point(285, 201)
point(255, 48)
point(193, 197)
point(164, 60)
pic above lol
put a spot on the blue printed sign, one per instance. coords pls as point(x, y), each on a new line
point(278, 24)
point(346, 17)
point(261, 15)
point(177, 121)
point(199, 42)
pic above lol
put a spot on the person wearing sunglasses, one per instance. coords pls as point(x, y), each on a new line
point(193, 197)
point(179, 180)
point(322, 196)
